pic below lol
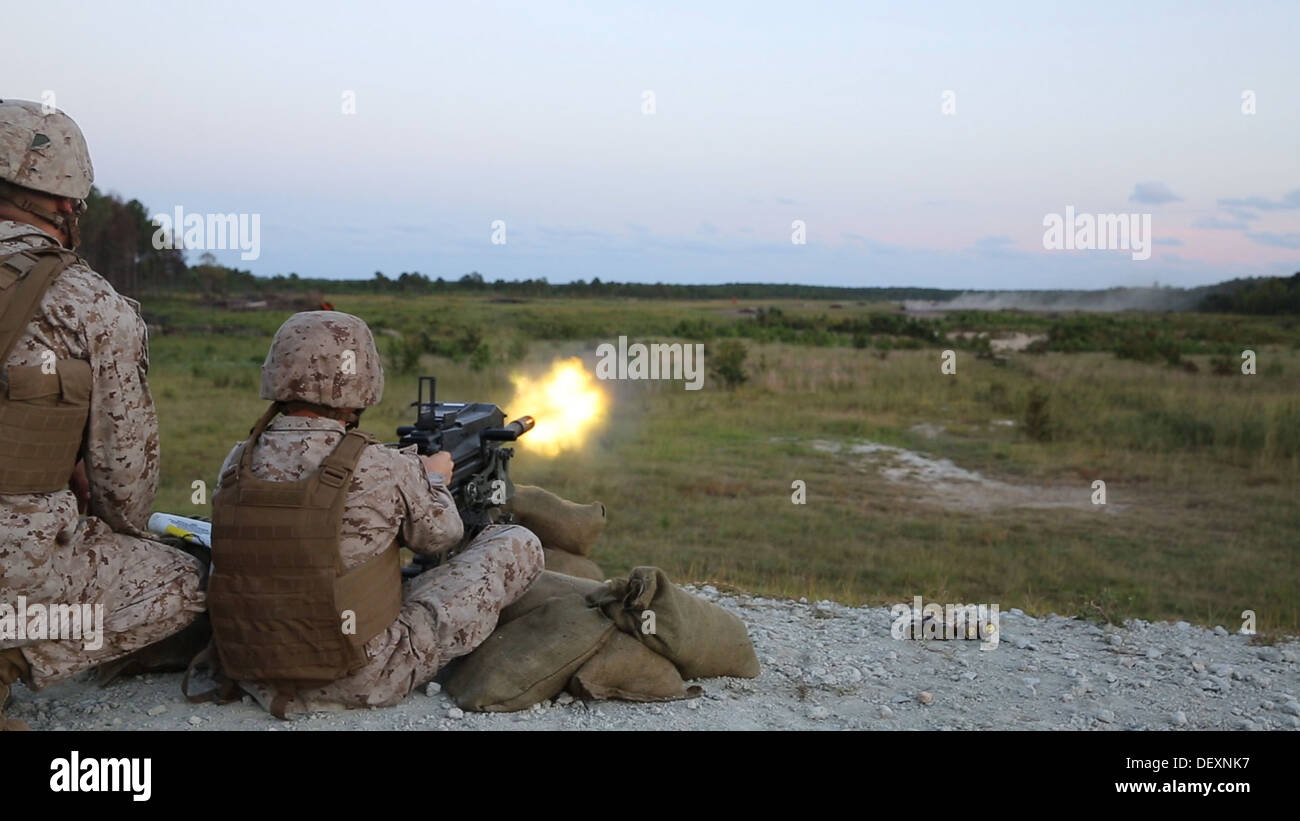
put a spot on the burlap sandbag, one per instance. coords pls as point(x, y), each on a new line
point(548, 585)
point(697, 636)
point(571, 565)
point(531, 658)
point(626, 669)
point(560, 524)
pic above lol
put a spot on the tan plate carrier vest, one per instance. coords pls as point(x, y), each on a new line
point(278, 597)
point(42, 415)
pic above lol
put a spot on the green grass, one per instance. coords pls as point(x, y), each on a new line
point(1205, 467)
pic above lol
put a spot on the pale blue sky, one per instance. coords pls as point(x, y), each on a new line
point(828, 113)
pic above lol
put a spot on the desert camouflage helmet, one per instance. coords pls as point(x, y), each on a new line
point(324, 358)
point(41, 148)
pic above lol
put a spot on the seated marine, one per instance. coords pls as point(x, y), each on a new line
point(308, 607)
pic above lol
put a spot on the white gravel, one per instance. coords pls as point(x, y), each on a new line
point(829, 666)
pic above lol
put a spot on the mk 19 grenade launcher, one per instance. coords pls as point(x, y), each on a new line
point(473, 433)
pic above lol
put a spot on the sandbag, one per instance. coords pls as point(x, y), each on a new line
point(531, 658)
point(548, 585)
point(699, 637)
point(571, 565)
point(560, 524)
point(626, 669)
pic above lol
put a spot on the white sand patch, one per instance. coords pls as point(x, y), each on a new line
point(940, 481)
point(1003, 341)
point(1015, 342)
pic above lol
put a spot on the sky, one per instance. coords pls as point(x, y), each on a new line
point(918, 144)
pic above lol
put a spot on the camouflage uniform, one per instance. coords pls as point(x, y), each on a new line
point(47, 554)
point(447, 611)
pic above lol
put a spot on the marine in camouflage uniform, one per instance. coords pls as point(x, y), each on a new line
point(48, 554)
point(446, 611)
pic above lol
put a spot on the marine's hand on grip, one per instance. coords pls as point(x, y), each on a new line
point(439, 462)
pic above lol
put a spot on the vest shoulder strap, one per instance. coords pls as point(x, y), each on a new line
point(24, 279)
point(338, 467)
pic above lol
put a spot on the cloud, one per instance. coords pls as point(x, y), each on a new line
point(1217, 224)
point(1168, 241)
point(707, 229)
point(784, 201)
point(1241, 214)
point(1288, 240)
point(1287, 202)
point(1152, 193)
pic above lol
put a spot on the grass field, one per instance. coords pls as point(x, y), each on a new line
point(1201, 468)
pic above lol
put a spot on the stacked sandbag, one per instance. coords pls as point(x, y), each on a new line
point(540, 641)
point(567, 530)
point(549, 585)
point(551, 638)
point(572, 565)
point(626, 669)
point(635, 639)
point(700, 638)
point(506, 676)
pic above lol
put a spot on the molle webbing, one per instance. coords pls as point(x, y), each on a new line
point(278, 594)
point(42, 415)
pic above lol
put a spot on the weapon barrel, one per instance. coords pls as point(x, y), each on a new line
point(510, 432)
point(522, 425)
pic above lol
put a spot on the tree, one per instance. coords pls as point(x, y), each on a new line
point(117, 239)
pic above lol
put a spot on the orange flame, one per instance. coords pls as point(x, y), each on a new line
point(567, 403)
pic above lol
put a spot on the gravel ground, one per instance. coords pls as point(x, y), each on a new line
point(828, 666)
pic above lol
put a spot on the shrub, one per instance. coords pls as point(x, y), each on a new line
point(727, 362)
point(695, 329)
point(996, 396)
point(481, 358)
point(404, 354)
point(1037, 418)
point(1169, 429)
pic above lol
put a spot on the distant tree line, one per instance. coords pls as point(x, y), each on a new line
point(1263, 295)
point(117, 240)
point(474, 282)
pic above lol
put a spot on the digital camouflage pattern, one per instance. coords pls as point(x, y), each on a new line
point(325, 358)
point(447, 611)
point(43, 151)
point(47, 553)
